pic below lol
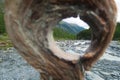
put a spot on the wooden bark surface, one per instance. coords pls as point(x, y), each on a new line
point(29, 24)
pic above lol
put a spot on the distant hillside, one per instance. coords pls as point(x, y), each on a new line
point(84, 35)
point(117, 32)
point(70, 27)
point(60, 34)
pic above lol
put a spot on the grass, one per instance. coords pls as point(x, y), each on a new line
point(5, 41)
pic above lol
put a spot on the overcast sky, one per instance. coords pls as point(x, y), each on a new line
point(118, 7)
point(83, 24)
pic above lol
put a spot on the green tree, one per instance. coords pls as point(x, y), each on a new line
point(85, 34)
point(59, 33)
point(117, 32)
point(2, 24)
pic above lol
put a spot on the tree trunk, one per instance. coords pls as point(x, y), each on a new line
point(29, 24)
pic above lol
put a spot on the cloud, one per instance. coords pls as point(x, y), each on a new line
point(77, 21)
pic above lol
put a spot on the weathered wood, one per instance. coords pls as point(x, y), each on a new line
point(29, 24)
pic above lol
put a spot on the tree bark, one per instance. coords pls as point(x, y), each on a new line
point(29, 24)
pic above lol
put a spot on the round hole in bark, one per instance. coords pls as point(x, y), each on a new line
point(71, 34)
point(72, 28)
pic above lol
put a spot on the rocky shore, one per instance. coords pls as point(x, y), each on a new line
point(14, 67)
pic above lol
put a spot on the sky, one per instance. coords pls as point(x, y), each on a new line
point(118, 7)
point(83, 24)
point(76, 21)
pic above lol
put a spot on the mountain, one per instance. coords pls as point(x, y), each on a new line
point(70, 27)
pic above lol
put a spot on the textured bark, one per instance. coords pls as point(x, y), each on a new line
point(29, 24)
